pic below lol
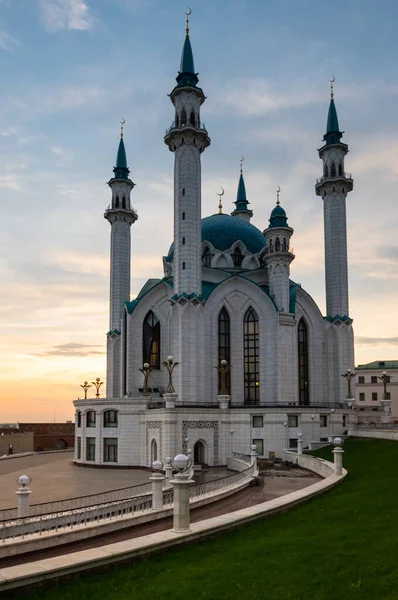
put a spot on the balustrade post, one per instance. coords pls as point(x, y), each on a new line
point(338, 456)
point(157, 485)
point(300, 444)
point(23, 494)
point(253, 459)
point(181, 517)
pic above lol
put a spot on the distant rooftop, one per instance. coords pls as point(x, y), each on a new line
point(380, 364)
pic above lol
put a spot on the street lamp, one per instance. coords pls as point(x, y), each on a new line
point(232, 431)
point(385, 378)
point(349, 375)
point(285, 425)
point(313, 417)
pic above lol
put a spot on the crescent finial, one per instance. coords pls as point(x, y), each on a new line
point(122, 122)
point(187, 20)
point(278, 189)
point(220, 194)
point(241, 161)
point(188, 13)
point(332, 80)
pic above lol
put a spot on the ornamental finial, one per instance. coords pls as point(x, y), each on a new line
point(241, 164)
point(278, 189)
point(332, 80)
point(122, 122)
point(220, 194)
point(187, 21)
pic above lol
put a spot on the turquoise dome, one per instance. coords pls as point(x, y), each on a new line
point(222, 231)
point(278, 217)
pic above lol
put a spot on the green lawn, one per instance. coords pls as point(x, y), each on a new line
point(341, 545)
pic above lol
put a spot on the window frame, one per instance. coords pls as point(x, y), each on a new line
point(303, 363)
point(260, 418)
point(290, 420)
point(109, 423)
point(224, 344)
point(108, 443)
point(91, 423)
point(251, 357)
point(151, 340)
point(259, 443)
point(323, 420)
point(90, 449)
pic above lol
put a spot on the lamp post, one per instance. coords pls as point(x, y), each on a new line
point(97, 384)
point(85, 387)
point(385, 400)
point(170, 366)
point(181, 484)
point(349, 375)
point(285, 425)
point(338, 455)
point(232, 431)
point(146, 371)
point(331, 423)
point(300, 444)
point(157, 485)
point(23, 494)
point(313, 417)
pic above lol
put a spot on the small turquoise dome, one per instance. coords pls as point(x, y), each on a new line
point(278, 217)
point(222, 231)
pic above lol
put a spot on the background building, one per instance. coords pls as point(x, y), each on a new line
point(369, 390)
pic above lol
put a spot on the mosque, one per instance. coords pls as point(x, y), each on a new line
point(253, 359)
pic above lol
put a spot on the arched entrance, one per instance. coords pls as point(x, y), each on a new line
point(199, 453)
point(154, 451)
point(61, 445)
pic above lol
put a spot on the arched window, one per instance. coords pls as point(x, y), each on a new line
point(176, 120)
point(192, 118)
point(183, 241)
point(154, 451)
point(325, 171)
point(284, 247)
point(199, 453)
point(340, 170)
point(303, 363)
point(237, 257)
point(123, 202)
point(207, 257)
point(271, 248)
point(277, 245)
point(124, 349)
point(333, 170)
point(117, 202)
point(151, 340)
point(183, 118)
point(183, 191)
point(79, 419)
point(183, 216)
point(183, 266)
point(224, 350)
point(111, 418)
point(251, 352)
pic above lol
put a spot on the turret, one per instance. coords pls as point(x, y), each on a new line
point(278, 256)
point(333, 187)
point(242, 211)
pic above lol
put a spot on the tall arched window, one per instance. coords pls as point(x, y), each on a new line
point(154, 451)
point(151, 340)
point(277, 245)
point(303, 363)
point(192, 118)
point(325, 171)
point(224, 350)
point(123, 202)
point(333, 170)
point(237, 257)
point(183, 118)
point(183, 216)
point(176, 121)
point(207, 257)
point(340, 170)
point(251, 351)
point(117, 202)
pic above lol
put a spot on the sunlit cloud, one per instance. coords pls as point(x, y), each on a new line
point(66, 14)
point(72, 349)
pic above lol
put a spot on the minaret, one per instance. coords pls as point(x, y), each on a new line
point(187, 138)
point(242, 211)
point(333, 187)
point(278, 256)
point(120, 215)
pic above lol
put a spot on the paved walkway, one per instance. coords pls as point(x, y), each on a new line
point(55, 478)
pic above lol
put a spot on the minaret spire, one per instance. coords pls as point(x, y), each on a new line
point(242, 211)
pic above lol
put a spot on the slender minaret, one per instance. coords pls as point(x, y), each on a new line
point(333, 187)
point(120, 215)
point(187, 138)
point(278, 256)
point(242, 211)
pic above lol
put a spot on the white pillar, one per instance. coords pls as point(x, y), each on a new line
point(300, 444)
point(157, 490)
point(23, 494)
point(168, 470)
point(338, 460)
point(170, 399)
point(223, 401)
point(253, 456)
point(181, 484)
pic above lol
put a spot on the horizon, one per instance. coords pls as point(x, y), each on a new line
point(72, 70)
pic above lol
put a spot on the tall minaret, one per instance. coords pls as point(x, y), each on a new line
point(242, 211)
point(187, 138)
point(333, 187)
point(278, 256)
point(120, 215)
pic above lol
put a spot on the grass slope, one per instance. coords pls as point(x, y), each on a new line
point(343, 545)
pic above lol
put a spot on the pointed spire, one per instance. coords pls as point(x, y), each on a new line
point(121, 169)
point(241, 199)
point(333, 134)
point(186, 74)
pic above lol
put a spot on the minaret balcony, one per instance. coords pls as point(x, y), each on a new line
point(188, 133)
point(201, 126)
point(121, 214)
point(344, 179)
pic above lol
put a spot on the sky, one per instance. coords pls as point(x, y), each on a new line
point(72, 69)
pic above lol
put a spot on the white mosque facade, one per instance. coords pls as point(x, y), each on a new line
point(226, 295)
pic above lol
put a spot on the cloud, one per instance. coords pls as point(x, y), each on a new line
point(72, 349)
point(66, 14)
point(7, 41)
point(375, 341)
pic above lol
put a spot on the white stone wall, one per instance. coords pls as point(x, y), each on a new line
point(119, 271)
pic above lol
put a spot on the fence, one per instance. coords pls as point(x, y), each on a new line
point(62, 519)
